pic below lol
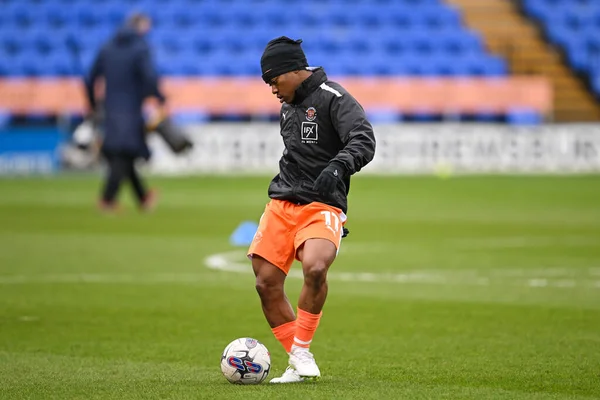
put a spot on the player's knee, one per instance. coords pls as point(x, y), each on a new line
point(267, 287)
point(315, 274)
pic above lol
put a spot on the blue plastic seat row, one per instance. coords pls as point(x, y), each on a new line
point(91, 44)
point(480, 68)
point(176, 18)
point(221, 3)
point(226, 37)
point(575, 27)
point(452, 41)
point(30, 64)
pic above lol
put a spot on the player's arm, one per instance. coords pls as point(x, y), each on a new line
point(349, 119)
point(90, 81)
point(149, 74)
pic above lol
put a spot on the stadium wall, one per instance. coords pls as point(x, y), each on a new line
point(25, 151)
point(251, 96)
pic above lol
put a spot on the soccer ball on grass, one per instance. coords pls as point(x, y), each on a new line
point(245, 361)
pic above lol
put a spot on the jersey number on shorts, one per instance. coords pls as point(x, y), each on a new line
point(336, 221)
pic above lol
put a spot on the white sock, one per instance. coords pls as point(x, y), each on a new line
point(296, 348)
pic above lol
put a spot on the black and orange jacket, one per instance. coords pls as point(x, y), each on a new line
point(324, 124)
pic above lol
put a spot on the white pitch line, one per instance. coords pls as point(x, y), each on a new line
point(517, 242)
point(102, 278)
point(227, 262)
point(231, 262)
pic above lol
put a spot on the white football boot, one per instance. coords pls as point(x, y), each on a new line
point(304, 363)
point(289, 376)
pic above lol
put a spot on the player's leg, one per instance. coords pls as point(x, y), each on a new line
point(277, 309)
point(317, 243)
point(275, 305)
point(117, 171)
point(316, 256)
point(272, 253)
point(145, 198)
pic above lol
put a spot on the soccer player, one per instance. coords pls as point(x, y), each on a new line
point(125, 63)
point(327, 139)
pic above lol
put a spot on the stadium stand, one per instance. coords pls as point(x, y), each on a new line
point(509, 31)
point(409, 59)
point(575, 27)
point(225, 37)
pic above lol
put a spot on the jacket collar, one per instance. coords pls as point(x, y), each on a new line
point(309, 85)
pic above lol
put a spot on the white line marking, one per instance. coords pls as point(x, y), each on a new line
point(236, 262)
point(227, 262)
point(29, 318)
point(538, 282)
point(517, 242)
point(103, 278)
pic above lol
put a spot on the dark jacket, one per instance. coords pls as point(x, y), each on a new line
point(324, 124)
point(125, 63)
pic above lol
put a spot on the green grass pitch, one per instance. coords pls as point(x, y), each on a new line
point(461, 288)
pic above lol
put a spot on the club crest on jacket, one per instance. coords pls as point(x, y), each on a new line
point(311, 114)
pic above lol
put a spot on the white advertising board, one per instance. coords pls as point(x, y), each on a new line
point(255, 148)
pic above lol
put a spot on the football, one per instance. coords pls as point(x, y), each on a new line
point(245, 361)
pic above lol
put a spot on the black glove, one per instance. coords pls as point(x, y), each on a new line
point(345, 232)
point(328, 179)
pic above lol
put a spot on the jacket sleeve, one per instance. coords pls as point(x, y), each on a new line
point(149, 74)
point(90, 81)
point(355, 131)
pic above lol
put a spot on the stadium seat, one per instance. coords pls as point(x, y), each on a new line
point(596, 84)
point(27, 63)
point(190, 117)
point(191, 37)
point(5, 118)
point(383, 116)
point(574, 26)
point(521, 116)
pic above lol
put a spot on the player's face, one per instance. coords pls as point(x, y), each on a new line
point(284, 86)
point(144, 26)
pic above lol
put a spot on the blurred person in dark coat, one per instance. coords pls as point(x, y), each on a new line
point(130, 77)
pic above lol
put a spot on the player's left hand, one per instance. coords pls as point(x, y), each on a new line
point(328, 179)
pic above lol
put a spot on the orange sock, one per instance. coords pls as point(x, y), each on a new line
point(285, 334)
point(306, 325)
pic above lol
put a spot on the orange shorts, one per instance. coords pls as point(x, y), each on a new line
point(285, 226)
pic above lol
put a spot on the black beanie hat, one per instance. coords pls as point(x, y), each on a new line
point(280, 56)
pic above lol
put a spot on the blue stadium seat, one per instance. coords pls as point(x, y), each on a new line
point(190, 117)
point(434, 16)
point(85, 59)
point(361, 37)
point(20, 13)
point(596, 84)
point(495, 66)
point(28, 63)
point(59, 65)
point(384, 116)
point(574, 26)
point(54, 14)
point(523, 116)
point(461, 42)
point(577, 55)
point(562, 34)
point(5, 117)
point(5, 64)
